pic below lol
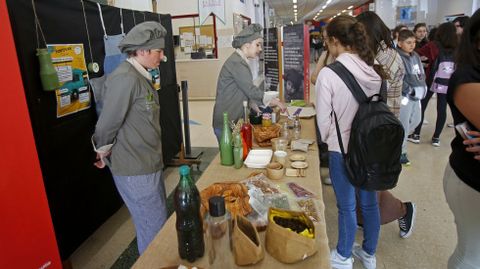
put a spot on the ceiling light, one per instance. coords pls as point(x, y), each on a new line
point(350, 7)
point(338, 14)
point(343, 11)
point(321, 10)
point(294, 1)
point(294, 6)
point(325, 6)
point(328, 2)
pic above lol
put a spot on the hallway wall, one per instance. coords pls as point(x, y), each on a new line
point(431, 12)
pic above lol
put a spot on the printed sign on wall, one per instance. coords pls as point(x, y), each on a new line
point(296, 54)
point(271, 59)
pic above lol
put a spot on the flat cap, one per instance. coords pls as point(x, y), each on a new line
point(146, 35)
point(250, 33)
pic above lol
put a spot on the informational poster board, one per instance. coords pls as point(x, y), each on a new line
point(73, 95)
point(271, 59)
point(296, 55)
point(194, 37)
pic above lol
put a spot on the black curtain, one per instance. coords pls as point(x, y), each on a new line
point(80, 196)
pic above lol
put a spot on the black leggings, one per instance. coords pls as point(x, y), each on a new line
point(441, 113)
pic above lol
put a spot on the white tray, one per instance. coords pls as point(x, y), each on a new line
point(258, 158)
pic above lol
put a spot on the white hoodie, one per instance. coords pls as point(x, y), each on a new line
point(331, 92)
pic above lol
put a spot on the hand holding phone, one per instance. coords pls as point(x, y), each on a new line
point(471, 139)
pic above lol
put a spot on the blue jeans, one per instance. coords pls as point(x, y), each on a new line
point(218, 134)
point(347, 216)
point(145, 198)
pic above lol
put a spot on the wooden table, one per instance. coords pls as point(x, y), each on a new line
point(163, 252)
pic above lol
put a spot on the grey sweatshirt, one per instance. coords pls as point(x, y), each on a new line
point(414, 85)
point(131, 120)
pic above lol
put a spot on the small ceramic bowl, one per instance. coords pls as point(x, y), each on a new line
point(275, 170)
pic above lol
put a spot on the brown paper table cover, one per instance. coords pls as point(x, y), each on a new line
point(163, 250)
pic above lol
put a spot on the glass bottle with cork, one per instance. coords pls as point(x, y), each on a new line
point(189, 226)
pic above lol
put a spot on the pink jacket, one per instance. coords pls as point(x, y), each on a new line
point(331, 92)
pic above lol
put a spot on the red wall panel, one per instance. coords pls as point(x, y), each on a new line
point(27, 238)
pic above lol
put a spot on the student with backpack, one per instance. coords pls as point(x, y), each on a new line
point(440, 54)
point(347, 42)
point(380, 41)
point(414, 87)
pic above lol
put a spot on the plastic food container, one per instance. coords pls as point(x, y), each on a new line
point(258, 158)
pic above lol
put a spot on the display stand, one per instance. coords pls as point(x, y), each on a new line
point(186, 155)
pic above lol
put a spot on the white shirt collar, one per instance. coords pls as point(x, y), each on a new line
point(240, 52)
point(140, 68)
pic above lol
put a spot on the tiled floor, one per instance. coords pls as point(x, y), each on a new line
point(429, 247)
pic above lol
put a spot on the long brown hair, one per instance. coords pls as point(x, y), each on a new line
point(351, 33)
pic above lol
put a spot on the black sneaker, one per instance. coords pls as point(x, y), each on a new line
point(404, 159)
point(407, 222)
point(435, 142)
point(414, 138)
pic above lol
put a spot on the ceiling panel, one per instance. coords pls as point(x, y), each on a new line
point(307, 9)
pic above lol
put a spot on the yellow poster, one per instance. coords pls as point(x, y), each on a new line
point(73, 95)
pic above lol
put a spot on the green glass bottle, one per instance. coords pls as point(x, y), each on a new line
point(238, 150)
point(186, 201)
point(226, 148)
point(48, 74)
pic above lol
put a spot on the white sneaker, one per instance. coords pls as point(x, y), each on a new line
point(340, 262)
point(368, 261)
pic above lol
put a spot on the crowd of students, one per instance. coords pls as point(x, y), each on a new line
point(415, 68)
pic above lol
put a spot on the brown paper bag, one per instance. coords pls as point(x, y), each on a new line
point(246, 242)
point(285, 245)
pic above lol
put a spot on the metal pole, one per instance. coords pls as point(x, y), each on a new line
point(186, 119)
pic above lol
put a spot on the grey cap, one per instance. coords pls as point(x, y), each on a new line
point(146, 35)
point(250, 33)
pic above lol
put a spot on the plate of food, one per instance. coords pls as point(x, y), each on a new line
point(299, 165)
point(297, 157)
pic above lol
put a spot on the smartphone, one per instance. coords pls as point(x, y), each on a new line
point(462, 129)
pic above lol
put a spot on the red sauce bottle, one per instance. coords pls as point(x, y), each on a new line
point(246, 130)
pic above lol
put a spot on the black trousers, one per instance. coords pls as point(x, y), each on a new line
point(441, 113)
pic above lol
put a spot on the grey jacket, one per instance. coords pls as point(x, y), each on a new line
point(130, 119)
point(234, 86)
point(414, 85)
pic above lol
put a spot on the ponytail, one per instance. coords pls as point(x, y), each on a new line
point(352, 33)
point(361, 47)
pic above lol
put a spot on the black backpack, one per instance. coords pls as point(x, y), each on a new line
point(376, 137)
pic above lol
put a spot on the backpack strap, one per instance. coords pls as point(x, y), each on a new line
point(339, 136)
point(349, 80)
